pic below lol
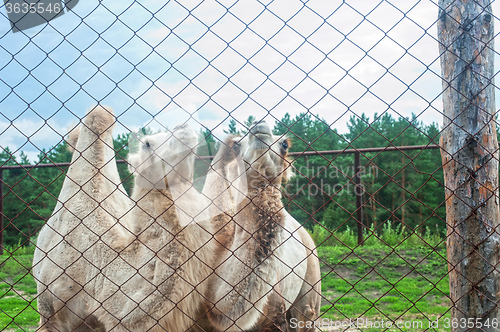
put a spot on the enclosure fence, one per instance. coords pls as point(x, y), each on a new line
point(248, 165)
point(355, 178)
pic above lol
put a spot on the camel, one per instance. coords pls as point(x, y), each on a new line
point(223, 185)
point(270, 265)
point(175, 227)
point(105, 263)
point(70, 238)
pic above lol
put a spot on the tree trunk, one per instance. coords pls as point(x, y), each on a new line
point(470, 161)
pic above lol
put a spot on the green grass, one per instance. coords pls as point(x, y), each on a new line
point(17, 291)
point(395, 275)
point(377, 282)
point(389, 279)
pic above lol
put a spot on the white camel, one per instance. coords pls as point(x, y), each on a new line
point(65, 258)
point(104, 263)
point(271, 265)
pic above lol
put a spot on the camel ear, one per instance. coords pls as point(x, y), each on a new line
point(229, 149)
point(74, 133)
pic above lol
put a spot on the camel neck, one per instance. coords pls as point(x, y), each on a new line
point(263, 219)
point(259, 227)
point(266, 198)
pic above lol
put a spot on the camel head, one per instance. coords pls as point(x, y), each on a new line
point(165, 159)
point(265, 156)
point(228, 151)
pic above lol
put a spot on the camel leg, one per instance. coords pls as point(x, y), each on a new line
point(306, 309)
point(91, 324)
point(304, 317)
point(48, 327)
point(274, 316)
point(50, 319)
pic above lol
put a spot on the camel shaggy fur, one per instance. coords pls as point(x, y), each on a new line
point(271, 266)
point(104, 263)
point(174, 227)
point(225, 182)
point(86, 231)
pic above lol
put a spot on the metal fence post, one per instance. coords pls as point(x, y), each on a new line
point(358, 191)
point(470, 162)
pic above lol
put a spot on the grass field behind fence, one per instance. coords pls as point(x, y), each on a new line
point(17, 290)
point(392, 277)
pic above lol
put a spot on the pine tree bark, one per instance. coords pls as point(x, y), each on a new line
point(470, 162)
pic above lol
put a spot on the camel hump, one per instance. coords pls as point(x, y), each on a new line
point(100, 119)
point(72, 139)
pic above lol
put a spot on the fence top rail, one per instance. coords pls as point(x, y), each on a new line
point(366, 150)
point(298, 154)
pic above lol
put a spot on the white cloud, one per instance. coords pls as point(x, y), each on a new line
point(25, 134)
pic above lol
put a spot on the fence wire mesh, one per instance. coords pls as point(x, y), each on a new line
point(250, 166)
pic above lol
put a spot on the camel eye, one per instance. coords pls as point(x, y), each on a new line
point(284, 145)
point(147, 145)
point(236, 148)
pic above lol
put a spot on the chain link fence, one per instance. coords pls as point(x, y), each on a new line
point(249, 166)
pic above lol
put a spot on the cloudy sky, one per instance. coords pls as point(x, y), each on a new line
point(212, 60)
